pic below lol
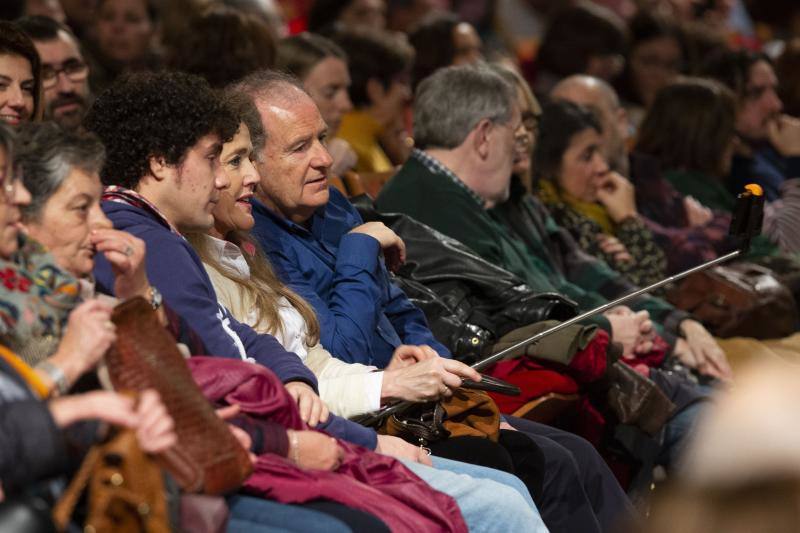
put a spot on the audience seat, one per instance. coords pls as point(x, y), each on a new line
point(545, 409)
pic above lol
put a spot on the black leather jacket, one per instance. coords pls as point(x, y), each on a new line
point(469, 302)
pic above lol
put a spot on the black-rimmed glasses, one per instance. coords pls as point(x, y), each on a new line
point(74, 69)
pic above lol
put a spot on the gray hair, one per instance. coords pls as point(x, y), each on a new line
point(46, 154)
point(453, 100)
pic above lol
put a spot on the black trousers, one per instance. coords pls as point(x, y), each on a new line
point(573, 488)
point(579, 491)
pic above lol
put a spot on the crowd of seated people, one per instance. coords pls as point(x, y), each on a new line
point(304, 191)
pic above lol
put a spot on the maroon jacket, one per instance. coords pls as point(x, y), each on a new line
point(371, 482)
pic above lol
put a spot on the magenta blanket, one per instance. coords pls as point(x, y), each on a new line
point(366, 480)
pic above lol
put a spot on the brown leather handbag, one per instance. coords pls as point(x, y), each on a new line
point(468, 412)
point(739, 300)
point(207, 457)
point(125, 490)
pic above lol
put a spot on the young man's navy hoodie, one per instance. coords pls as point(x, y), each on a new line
point(175, 269)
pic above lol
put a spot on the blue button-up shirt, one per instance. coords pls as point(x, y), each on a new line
point(363, 315)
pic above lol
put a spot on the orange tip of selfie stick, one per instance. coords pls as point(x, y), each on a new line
point(754, 189)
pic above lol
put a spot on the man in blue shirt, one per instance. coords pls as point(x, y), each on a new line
point(320, 247)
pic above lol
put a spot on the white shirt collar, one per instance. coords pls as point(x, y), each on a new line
point(229, 256)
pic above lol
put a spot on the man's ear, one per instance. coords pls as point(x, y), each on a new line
point(480, 139)
point(159, 169)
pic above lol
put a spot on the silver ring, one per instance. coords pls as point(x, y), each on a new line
point(128, 251)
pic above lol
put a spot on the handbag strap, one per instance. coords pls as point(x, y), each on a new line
point(65, 506)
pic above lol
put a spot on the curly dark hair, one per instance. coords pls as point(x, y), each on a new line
point(155, 114)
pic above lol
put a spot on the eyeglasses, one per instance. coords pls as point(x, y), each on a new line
point(74, 69)
point(530, 121)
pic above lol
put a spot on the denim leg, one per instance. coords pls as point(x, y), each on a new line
point(483, 472)
point(676, 431)
point(487, 503)
point(249, 514)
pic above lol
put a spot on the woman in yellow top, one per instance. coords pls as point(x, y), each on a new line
point(380, 70)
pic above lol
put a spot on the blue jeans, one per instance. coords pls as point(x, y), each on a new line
point(490, 500)
point(249, 514)
point(676, 433)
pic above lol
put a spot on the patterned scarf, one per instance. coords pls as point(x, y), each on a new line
point(36, 297)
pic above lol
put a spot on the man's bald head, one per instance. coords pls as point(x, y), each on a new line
point(587, 91)
point(600, 97)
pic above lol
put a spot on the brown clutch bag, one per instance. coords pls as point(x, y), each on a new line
point(207, 457)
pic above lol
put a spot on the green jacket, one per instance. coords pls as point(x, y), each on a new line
point(544, 255)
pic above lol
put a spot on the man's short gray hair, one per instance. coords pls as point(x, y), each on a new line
point(453, 100)
point(46, 154)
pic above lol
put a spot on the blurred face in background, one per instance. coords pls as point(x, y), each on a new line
point(760, 103)
point(364, 13)
point(327, 83)
point(124, 29)
point(654, 64)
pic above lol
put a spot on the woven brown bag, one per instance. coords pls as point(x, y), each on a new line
point(207, 457)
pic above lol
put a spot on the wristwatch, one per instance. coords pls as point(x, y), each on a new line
point(60, 383)
point(155, 298)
